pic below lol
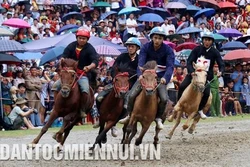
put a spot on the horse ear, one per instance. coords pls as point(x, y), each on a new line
point(62, 63)
point(194, 65)
point(141, 69)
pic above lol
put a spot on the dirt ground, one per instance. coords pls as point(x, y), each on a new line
point(215, 144)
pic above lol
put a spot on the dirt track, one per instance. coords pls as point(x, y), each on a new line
point(222, 144)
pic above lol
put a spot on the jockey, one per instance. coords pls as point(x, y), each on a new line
point(86, 55)
point(164, 56)
point(211, 54)
point(130, 59)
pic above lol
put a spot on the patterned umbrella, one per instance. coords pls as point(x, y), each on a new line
point(65, 2)
point(184, 54)
point(17, 23)
point(6, 59)
point(11, 46)
point(107, 50)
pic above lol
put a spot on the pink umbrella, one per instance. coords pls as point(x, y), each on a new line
point(17, 23)
point(107, 50)
point(171, 44)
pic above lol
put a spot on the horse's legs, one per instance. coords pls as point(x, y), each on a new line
point(156, 137)
point(195, 121)
point(58, 135)
point(172, 116)
point(138, 141)
point(124, 132)
point(134, 131)
point(191, 116)
point(178, 120)
point(52, 118)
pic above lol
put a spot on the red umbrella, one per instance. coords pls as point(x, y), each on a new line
point(227, 5)
point(186, 45)
point(171, 44)
point(17, 23)
point(208, 3)
point(243, 54)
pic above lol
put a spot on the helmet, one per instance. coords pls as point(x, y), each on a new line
point(133, 41)
point(158, 31)
point(208, 35)
point(82, 32)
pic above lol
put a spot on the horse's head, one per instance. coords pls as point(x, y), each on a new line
point(149, 77)
point(68, 75)
point(199, 77)
point(121, 84)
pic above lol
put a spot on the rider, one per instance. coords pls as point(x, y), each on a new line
point(130, 60)
point(209, 52)
point(83, 52)
point(164, 56)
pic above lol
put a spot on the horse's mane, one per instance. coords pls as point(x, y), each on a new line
point(123, 67)
point(150, 65)
point(67, 63)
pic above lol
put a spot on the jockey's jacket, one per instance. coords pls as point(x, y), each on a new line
point(211, 54)
point(131, 65)
point(86, 56)
point(164, 56)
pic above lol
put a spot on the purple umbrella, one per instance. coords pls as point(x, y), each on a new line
point(229, 32)
point(67, 27)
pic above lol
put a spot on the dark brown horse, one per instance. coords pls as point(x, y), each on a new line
point(67, 102)
point(145, 107)
point(112, 106)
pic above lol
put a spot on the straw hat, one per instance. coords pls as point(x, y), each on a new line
point(21, 100)
point(13, 89)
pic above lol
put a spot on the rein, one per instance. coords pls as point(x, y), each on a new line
point(123, 88)
point(65, 69)
point(151, 71)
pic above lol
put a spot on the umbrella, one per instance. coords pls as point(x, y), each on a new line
point(52, 54)
point(243, 54)
point(65, 2)
point(219, 38)
point(5, 32)
point(151, 17)
point(2, 10)
point(8, 59)
point(177, 62)
point(28, 55)
point(208, 4)
point(146, 9)
point(175, 5)
point(227, 5)
point(73, 30)
point(23, 2)
point(11, 46)
point(181, 26)
point(162, 12)
point(128, 10)
point(247, 42)
point(243, 39)
point(184, 54)
point(207, 12)
point(107, 50)
point(25, 40)
point(17, 23)
point(143, 40)
point(105, 15)
point(76, 15)
point(192, 9)
point(171, 44)
point(229, 32)
point(67, 27)
point(101, 4)
point(174, 36)
point(188, 30)
point(185, 2)
point(186, 45)
point(233, 45)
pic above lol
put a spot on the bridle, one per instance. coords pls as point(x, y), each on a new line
point(196, 85)
point(143, 83)
point(118, 89)
point(72, 85)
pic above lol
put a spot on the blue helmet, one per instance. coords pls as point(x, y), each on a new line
point(133, 41)
point(158, 31)
point(208, 35)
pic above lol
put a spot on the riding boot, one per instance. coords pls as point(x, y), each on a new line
point(158, 119)
point(203, 116)
point(84, 99)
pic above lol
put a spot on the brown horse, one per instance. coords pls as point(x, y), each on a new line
point(190, 100)
point(145, 107)
point(67, 102)
point(112, 106)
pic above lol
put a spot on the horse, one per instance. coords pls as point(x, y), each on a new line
point(145, 107)
point(111, 108)
point(67, 102)
point(190, 100)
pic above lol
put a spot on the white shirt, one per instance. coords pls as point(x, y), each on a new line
point(131, 22)
point(116, 40)
point(87, 27)
point(34, 29)
point(115, 5)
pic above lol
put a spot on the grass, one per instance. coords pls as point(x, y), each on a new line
point(21, 133)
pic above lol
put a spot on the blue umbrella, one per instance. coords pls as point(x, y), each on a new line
point(189, 30)
point(181, 26)
point(162, 12)
point(151, 17)
point(105, 15)
point(28, 55)
point(11, 46)
point(128, 10)
point(52, 54)
point(192, 9)
point(207, 12)
point(186, 2)
point(233, 45)
point(76, 15)
point(67, 27)
point(177, 62)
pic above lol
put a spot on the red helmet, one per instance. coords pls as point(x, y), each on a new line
point(83, 32)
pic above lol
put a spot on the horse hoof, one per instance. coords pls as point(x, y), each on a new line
point(137, 142)
point(31, 145)
point(54, 136)
point(168, 136)
point(184, 127)
point(104, 141)
point(59, 148)
point(190, 131)
point(170, 118)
